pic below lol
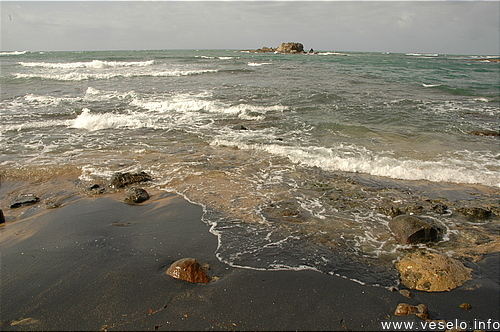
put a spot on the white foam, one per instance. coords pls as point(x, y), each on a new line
point(257, 64)
point(98, 121)
point(486, 100)
point(355, 159)
point(79, 76)
point(199, 104)
point(34, 125)
point(332, 53)
point(48, 100)
point(430, 85)
point(14, 53)
point(98, 64)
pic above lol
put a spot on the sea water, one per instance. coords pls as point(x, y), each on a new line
point(290, 155)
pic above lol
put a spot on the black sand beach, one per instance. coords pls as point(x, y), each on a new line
point(95, 263)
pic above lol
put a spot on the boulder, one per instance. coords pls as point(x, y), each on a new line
point(188, 269)
point(432, 272)
point(410, 229)
point(291, 48)
point(120, 180)
point(136, 195)
point(23, 200)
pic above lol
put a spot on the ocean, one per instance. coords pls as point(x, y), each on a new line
point(291, 156)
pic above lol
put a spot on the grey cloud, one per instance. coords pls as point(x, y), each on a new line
point(395, 26)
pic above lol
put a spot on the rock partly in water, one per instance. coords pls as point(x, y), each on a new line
point(285, 48)
point(240, 127)
point(23, 200)
point(439, 208)
point(188, 269)
point(390, 209)
point(485, 133)
point(2, 218)
point(290, 48)
point(136, 195)
point(410, 229)
point(432, 272)
point(420, 310)
point(475, 212)
point(120, 180)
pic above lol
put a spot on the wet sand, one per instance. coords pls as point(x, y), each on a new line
point(96, 263)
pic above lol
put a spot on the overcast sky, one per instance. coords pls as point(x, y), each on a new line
point(445, 27)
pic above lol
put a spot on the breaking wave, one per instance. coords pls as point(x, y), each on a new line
point(98, 64)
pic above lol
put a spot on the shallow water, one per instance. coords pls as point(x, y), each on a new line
point(328, 139)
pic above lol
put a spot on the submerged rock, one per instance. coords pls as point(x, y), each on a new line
point(120, 180)
point(475, 212)
point(23, 200)
point(409, 229)
point(485, 133)
point(188, 269)
point(432, 272)
point(136, 195)
point(390, 209)
point(439, 208)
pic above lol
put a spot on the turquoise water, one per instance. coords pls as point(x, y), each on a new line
point(309, 118)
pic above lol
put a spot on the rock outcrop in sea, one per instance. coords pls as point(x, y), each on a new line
point(284, 48)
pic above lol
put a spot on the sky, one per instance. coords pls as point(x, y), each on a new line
point(443, 27)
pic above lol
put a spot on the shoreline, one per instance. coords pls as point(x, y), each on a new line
point(96, 263)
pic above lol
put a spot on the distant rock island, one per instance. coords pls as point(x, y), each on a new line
point(284, 48)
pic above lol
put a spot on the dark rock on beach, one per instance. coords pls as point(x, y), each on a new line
point(136, 195)
point(410, 229)
point(420, 310)
point(465, 306)
point(405, 293)
point(23, 200)
point(188, 269)
point(120, 180)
